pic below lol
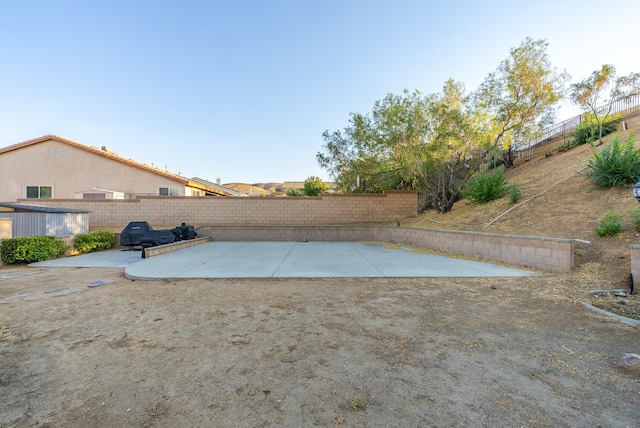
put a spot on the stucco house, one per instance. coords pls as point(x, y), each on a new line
point(55, 167)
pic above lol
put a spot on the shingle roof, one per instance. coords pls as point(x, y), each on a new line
point(217, 186)
point(41, 208)
point(107, 154)
point(94, 150)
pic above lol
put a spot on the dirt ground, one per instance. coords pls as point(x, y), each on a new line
point(357, 352)
point(496, 352)
point(559, 200)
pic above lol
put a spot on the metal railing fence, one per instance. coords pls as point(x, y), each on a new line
point(558, 136)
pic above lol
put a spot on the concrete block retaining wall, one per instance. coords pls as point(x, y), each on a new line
point(635, 265)
point(162, 249)
point(162, 211)
point(337, 217)
point(547, 254)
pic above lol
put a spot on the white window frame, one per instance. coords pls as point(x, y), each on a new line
point(26, 191)
point(53, 152)
point(169, 189)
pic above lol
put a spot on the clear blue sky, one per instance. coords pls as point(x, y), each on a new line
point(242, 90)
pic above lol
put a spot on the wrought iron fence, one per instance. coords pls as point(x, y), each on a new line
point(558, 135)
point(554, 139)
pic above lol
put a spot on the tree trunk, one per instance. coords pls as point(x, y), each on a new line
point(508, 157)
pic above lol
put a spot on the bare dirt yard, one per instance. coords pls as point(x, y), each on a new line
point(358, 352)
point(496, 352)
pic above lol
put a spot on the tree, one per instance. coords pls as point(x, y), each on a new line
point(455, 148)
point(588, 93)
point(362, 156)
point(435, 142)
point(313, 186)
point(517, 99)
point(410, 141)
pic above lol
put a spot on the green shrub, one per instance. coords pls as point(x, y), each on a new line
point(635, 216)
point(30, 249)
point(486, 187)
point(514, 193)
point(589, 130)
point(313, 186)
point(610, 225)
point(295, 192)
point(616, 165)
point(95, 241)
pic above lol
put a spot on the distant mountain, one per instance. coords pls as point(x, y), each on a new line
point(269, 186)
point(256, 189)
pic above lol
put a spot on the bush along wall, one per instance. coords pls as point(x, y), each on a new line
point(31, 249)
point(95, 241)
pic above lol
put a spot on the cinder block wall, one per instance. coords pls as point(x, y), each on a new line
point(172, 211)
point(326, 218)
point(635, 265)
point(547, 254)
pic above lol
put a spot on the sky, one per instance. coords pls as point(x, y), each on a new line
point(243, 90)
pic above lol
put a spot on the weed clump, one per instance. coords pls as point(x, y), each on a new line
point(617, 165)
point(489, 186)
point(610, 225)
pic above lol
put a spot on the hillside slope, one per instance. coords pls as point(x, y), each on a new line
point(558, 200)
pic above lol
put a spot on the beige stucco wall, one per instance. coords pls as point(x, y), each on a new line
point(69, 170)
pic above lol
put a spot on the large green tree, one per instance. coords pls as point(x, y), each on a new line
point(452, 147)
point(408, 141)
point(435, 142)
point(597, 93)
point(363, 156)
point(517, 100)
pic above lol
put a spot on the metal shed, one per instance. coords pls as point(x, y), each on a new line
point(35, 220)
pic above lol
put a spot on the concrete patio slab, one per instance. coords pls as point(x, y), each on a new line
point(110, 258)
point(221, 259)
point(308, 260)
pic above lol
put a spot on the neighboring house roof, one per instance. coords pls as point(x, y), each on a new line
point(98, 190)
point(104, 152)
point(217, 186)
point(293, 185)
point(40, 208)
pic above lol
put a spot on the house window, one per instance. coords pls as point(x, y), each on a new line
point(54, 152)
point(94, 196)
point(39, 192)
point(169, 191)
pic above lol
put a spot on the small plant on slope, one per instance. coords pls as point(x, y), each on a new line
point(635, 216)
point(610, 225)
point(616, 165)
point(589, 130)
point(488, 187)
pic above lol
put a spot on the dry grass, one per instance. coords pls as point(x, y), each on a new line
point(561, 202)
